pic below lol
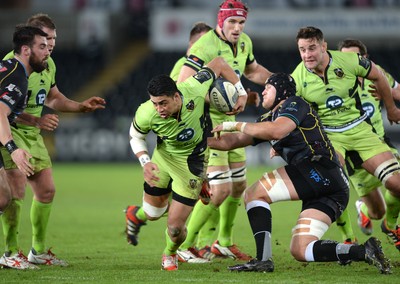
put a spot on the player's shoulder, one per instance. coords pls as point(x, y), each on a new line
point(346, 57)
point(296, 101)
point(51, 64)
point(245, 37)
point(9, 55)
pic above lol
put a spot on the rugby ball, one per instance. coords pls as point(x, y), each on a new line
point(223, 95)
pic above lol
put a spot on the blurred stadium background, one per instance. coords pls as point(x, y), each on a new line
point(111, 48)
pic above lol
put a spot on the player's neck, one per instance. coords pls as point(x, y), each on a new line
point(24, 63)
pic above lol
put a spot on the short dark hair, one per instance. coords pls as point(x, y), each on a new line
point(162, 85)
point(25, 35)
point(41, 21)
point(198, 28)
point(309, 33)
point(351, 42)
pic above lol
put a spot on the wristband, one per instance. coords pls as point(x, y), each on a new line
point(239, 87)
point(229, 126)
point(144, 159)
point(10, 146)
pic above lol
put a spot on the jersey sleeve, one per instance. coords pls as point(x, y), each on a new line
point(361, 64)
point(294, 108)
point(143, 116)
point(198, 84)
point(53, 69)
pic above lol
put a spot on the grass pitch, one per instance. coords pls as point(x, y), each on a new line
point(87, 229)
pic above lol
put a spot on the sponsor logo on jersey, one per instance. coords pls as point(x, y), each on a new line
point(339, 72)
point(5, 97)
point(193, 183)
point(190, 105)
point(364, 62)
point(292, 107)
point(185, 135)
point(203, 76)
point(41, 97)
point(334, 102)
point(195, 60)
point(369, 109)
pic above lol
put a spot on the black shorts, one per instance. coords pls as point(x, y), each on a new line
point(321, 185)
point(157, 191)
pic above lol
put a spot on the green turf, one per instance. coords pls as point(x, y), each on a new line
point(87, 224)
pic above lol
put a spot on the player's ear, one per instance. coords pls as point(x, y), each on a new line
point(324, 46)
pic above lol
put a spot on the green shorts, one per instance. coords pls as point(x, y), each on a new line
point(223, 158)
point(361, 139)
point(363, 182)
point(186, 172)
point(34, 144)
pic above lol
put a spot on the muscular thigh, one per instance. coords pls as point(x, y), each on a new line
point(272, 187)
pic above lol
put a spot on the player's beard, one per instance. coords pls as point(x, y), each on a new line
point(36, 64)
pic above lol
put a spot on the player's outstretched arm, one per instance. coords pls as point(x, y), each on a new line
point(57, 101)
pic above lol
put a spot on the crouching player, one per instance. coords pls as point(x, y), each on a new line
point(313, 174)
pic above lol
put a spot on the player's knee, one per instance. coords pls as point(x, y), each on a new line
point(297, 252)
point(152, 212)
point(306, 230)
point(45, 195)
point(174, 231)
point(5, 199)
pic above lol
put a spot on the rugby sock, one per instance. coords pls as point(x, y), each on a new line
point(11, 218)
point(206, 234)
point(171, 247)
point(344, 226)
point(40, 214)
point(141, 215)
point(364, 209)
point(392, 209)
point(199, 216)
point(260, 219)
point(327, 250)
point(227, 212)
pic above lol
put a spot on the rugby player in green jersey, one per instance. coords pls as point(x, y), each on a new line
point(43, 90)
point(30, 55)
point(176, 114)
point(198, 30)
point(328, 80)
point(226, 170)
point(372, 204)
point(206, 234)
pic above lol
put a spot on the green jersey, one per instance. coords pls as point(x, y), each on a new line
point(372, 106)
point(39, 85)
point(186, 134)
point(177, 68)
point(336, 96)
point(210, 46)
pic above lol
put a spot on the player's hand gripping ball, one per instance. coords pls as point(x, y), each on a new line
point(223, 95)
